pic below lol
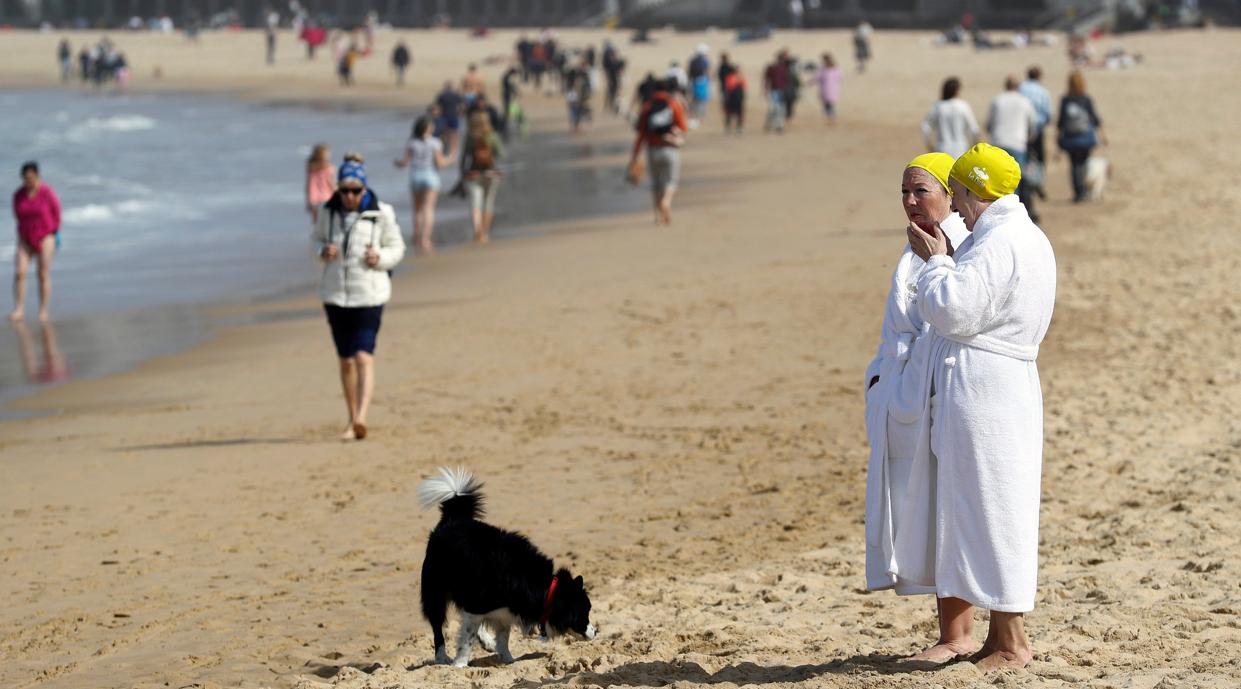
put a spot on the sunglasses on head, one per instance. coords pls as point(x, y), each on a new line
point(352, 190)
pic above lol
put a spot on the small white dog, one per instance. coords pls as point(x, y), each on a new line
point(1098, 172)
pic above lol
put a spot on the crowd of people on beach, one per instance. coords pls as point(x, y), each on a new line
point(98, 65)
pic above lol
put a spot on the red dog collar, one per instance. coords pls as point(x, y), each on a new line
point(547, 606)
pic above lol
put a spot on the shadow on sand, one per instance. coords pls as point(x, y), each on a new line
point(663, 673)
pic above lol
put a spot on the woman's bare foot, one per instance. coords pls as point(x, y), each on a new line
point(17, 315)
point(944, 652)
point(359, 430)
point(426, 248)
point(988, 660)
point(349, 433)
point(44, 316)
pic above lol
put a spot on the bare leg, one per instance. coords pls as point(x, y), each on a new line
point(956, 624)
point(657, 200)
point(488, 219)
point(427, 210)
point(349, 381)
point(46, 254)
point(366, 387)
point(665, 205)
point(1007, 645)
point(476, 220)
point(21, 264)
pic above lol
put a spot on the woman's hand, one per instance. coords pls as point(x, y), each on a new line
point(371, 256)
point(329, 252)
point(927, 245)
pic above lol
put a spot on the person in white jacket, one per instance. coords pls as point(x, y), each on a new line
point(358, 241)
point(950, 126)
point(988, 307)
point(892, 434)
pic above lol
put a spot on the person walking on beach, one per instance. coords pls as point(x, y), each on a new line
point(401, 60)
point(1035, 171)
point(734, 101)
point(829, 78)
point(480, 174)
point(950, 126)
point(891, 430)
point(358, 240)
point(320, 179)
point(1010, 125)
point(661, 128)
point(792, 88)
point(981, 435)
point(37, 212)
point(861, 45)
point(424, 156)
point(721, 76)
point(270, 39)
point(775, 83)
point(450, 106)
point(344, 66)
point(471, 85)
point(1080, 130)
point(613, 68)
point(699, 84)
point(64, 58)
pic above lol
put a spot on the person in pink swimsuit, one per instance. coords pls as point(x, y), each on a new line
point(320, 179)
point(37, 211)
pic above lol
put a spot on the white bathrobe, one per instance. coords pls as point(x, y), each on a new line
point(986, 311)
point(893, 439)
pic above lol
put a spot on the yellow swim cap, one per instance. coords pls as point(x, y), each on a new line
point(988, 171)
point(938, 164)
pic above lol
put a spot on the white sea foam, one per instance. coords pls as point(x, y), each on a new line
point(118, 124)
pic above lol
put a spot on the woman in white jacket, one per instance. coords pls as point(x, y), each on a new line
point(893, 433)
point(358, 241)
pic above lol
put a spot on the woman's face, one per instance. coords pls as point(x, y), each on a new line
point(30, 179)
point(965, 204)
point(925, 200)
point(351, 195)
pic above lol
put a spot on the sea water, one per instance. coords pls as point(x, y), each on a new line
point(171, 201)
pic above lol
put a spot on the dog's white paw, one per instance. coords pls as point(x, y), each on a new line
point(461, 662)
point(487, 639)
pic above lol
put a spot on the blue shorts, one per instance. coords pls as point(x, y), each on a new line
point(421, 180)
point(354, 329)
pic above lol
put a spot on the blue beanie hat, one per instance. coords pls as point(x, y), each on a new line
point(352, 169)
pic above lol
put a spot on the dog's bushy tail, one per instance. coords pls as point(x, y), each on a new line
point(456, 491)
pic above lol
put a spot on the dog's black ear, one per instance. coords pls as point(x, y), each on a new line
point(563, 575)
point(579, 582)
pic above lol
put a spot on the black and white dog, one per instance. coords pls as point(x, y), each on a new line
point(496, 578)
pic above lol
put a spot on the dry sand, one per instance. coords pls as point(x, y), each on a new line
point(674, 413)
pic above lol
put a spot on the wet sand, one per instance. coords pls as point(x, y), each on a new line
point(675, 413)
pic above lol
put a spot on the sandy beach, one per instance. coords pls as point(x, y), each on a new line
point(675, 413)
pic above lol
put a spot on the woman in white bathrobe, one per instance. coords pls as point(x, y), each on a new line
point(893, 435)
point(988, 307)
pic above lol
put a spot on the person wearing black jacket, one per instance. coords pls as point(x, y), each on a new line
point(1080, 130)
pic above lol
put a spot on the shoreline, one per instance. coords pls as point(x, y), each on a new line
point(674, 413)
point(203, 315)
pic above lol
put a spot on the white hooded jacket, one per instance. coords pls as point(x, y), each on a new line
point(347, 280)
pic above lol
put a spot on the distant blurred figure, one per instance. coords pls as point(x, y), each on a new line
point(471, 85)
point(950, 126)
point(401, 60)
point(270, 37)
point(661, 128)
point(734, 101)
point(64, 57)
point(84, 65)
point(1033, 176)
point(613, 67)
point(449, 125)
point(700, 84)
point(775, 83)
point(1010, 124)
point(861, 45)
point(344, 67)
point(37, 211)
point(1080, 130)
point(320, 179)
point(792, 87)
point(424, 156)
point(829, 78)
point(480, 174)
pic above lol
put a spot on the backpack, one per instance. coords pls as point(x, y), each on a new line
point(481, 158)
point(1076, 119)
point(660, 118)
